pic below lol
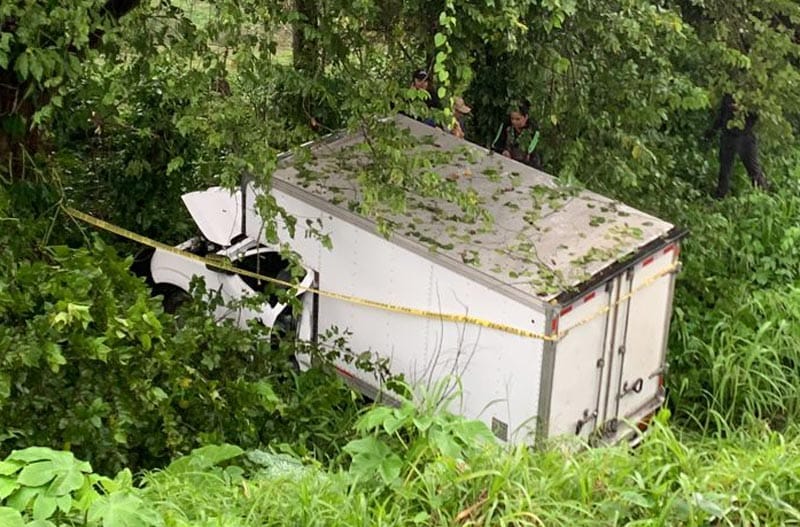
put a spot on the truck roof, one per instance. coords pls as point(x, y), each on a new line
point(541, 239)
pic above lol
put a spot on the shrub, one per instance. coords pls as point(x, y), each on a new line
point(89, 362)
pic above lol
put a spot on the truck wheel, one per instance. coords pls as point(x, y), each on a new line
point(174, 297)
point(285, 326)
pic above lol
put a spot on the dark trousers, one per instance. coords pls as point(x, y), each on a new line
point(746, 147)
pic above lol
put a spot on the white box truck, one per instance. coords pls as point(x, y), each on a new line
point(555, 311)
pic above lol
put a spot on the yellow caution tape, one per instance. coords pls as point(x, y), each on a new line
point(224, 265)
point(605, 309)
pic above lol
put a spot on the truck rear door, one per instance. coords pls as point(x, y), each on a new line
point(579, 370)
point(636, 383)
point(610, 357)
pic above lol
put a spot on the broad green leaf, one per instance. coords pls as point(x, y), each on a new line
point(66, 482)
point(158, 394)
point(44, 507)
point(9, 467)
point(374, 418)
point(64, 503)
point(7, 486)
point(439, 39)
point(21, 65)
point(636, 499)
point(267, 397)
point(371, 455)
point(40, 523)
point(707, 505)
point(124, 479)
point(31, 454)
point(393, 424)
point(390, 468)
point(22, 497)
point(471, 432)
point(423, 422)
point(421, 517)
point(87, 494)
point(36, 68)
point(37, 474)
point(10, 518)
point(123, 509)
point(444, 442)
point(204, 457)
point(174, 164)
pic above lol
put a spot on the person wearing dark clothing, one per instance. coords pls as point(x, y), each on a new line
point(733, 142)
point(421, 81)
point(518, 139)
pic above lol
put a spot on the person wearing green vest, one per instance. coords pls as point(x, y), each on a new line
point(518, 139)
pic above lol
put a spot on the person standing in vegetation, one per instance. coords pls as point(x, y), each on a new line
point(421, 81)
point(460, 111)
point(733, 141)
point(519, 138)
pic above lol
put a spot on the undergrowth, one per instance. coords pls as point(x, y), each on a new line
point(751, 477)
point(733, 349)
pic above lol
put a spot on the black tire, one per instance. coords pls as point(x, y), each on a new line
point(174, 297)
point(285, 327)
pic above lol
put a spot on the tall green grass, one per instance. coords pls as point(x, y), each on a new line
point(735, 343)
point(750, 478)
point(743, 363)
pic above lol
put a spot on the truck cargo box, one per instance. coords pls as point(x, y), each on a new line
point(565, 296)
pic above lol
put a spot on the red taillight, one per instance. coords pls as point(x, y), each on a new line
point(645, 422)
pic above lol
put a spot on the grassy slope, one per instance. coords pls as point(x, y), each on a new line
point(753, 478)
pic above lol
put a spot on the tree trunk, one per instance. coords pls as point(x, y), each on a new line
point(305, 47)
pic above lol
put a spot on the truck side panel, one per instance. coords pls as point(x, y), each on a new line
point(499, 372)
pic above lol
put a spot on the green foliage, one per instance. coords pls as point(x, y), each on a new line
point(91, 363)
point(411, 435)
point(734, 349)
point(204, 458)
point(41, 486)
point(669, 480)
point(172, 101)
point(43, 46)
point(122, 510)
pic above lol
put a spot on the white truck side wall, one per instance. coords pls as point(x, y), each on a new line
point(499, 372)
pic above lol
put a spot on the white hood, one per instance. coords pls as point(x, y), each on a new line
point(217, 212)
